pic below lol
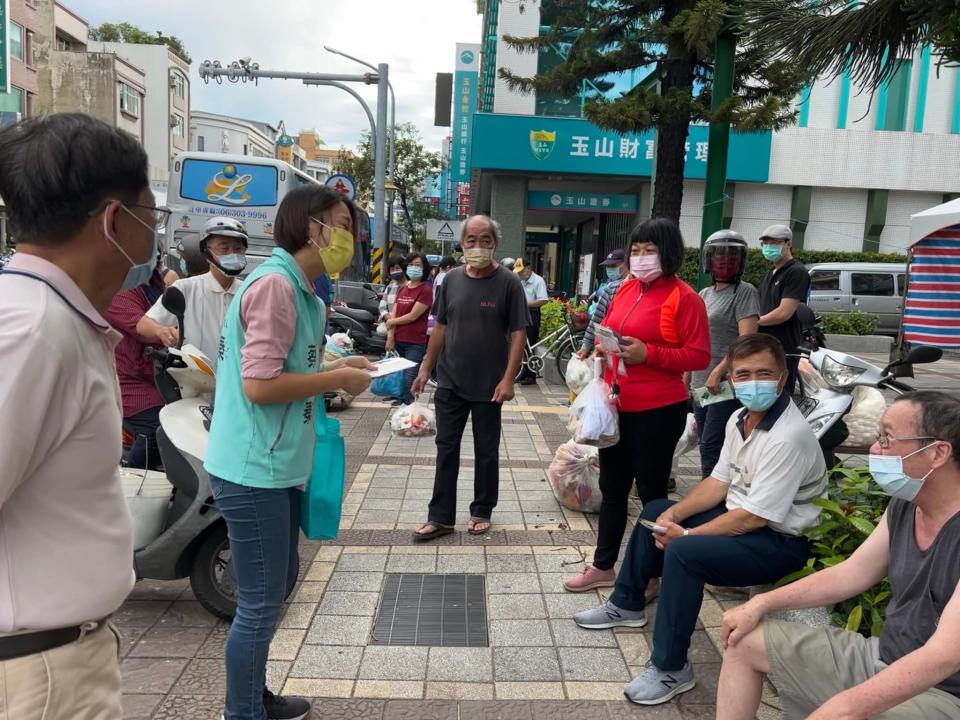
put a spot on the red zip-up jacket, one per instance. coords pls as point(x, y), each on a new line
point(671, 319)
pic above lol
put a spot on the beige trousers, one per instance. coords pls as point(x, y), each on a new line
point(79, 681)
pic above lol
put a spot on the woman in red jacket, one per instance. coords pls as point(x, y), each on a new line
point(663, 324)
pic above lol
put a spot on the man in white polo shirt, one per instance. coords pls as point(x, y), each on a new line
point(78, 196)
point(223, 244)
point(740, 526)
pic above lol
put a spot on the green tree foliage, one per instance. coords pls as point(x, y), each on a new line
point(671, 41)
point(413, 164)
point(831, 36)
point(127, 33)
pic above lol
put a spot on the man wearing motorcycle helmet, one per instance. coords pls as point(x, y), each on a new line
point(222, 245)
point(733, 309)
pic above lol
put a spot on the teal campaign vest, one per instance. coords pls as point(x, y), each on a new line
point(266, 445)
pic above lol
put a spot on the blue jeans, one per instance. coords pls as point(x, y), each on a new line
point(754, 558)
point(143, 426)
point(414, 352)
point(263, 526)
point(711, 426)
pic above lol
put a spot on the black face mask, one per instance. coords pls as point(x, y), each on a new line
point(398, 276)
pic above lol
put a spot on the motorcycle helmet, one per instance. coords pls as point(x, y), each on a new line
point(227, 227)
point(724, 256)
point(191, 260)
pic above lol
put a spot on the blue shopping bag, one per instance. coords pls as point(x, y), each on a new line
point(389, 385)
point(322, 501)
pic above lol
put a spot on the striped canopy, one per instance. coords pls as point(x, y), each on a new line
point(931, 314)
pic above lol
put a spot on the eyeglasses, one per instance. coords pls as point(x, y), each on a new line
point(161, 214)
point(883, 440)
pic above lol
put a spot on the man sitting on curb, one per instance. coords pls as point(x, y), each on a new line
point(740, 526)
point(913, 669)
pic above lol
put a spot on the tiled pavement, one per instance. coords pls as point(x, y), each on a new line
point(539, 663)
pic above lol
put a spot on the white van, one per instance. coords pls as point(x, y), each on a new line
point(874, 288)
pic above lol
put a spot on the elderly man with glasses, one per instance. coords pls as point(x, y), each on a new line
point(913, 669)
point(476, 344)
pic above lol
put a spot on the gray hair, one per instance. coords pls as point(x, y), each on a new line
point(494, 227)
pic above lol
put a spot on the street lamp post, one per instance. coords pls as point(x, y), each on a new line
point(244, 70)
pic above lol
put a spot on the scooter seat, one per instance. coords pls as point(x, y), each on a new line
point(361, 316)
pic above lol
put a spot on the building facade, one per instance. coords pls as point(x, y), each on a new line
point(166, 117)
point(212, 132)
point(24, 83)
point(846, 177)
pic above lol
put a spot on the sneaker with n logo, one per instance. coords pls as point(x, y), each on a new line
point(654, 686)
point(608, 616)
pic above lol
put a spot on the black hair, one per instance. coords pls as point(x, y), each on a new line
point(57, 170)
point(747, 345)
point(292, 226)
point(666, 235)
point(939, 416)
point(447, 262)
point(423, 258)
point(397, 260)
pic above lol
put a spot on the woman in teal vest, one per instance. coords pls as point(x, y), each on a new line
point(262, 437)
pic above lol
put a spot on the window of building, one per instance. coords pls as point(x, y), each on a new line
point(129, 100)
point(892, 110)
point(12, 101)
point(200, 144)
point(177, 126)
point(16, 41)
point(825, 280)
point(179, 85)
point(877, 284)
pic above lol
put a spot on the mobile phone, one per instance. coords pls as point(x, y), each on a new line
point(652, 526)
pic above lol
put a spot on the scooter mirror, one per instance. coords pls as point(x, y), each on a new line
point(174, 301)
point(923, 354)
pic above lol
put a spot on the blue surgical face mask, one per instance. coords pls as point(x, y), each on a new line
point(757, 395)
point(232, 264)
point(138, 274)
point(771, 252)
point(414, 272)
point(397, 276)
point(887, 470)
point(612, 273)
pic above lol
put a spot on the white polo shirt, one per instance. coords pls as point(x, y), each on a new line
point(66, 546)
point(207, 304)
point(777, 471)
point(535, 288)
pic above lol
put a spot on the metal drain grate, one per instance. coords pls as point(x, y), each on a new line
point(438, 610)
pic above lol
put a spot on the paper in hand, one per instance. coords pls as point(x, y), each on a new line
point(704, 397)
point(388, 366)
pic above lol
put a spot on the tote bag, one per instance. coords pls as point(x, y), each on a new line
point(322, 501)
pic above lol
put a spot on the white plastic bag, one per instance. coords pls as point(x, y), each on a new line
point(593, 416)
point(688, 441)
point(863, 420)
point(414, 420)
point(578, 375)
point(575, 477)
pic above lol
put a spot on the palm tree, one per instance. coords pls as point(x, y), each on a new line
point(865, 38)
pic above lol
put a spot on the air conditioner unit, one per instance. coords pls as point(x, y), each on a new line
point(173, 121)
point(173, 81)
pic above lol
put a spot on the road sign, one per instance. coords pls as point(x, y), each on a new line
point(444, 230)
point(343, 184)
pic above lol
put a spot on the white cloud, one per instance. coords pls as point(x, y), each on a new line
point(417, 39)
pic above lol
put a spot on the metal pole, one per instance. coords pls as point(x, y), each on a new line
point(346, 88)
point(719, 142)
point(379, 270)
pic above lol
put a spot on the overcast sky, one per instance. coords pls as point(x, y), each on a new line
point(417, 39)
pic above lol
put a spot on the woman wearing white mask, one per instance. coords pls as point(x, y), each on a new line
point(663, 326)
point(407, 324)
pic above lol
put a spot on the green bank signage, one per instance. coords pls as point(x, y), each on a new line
point(582, 202)
point(570, 145)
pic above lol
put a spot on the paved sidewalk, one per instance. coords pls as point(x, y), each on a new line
point(538, 664)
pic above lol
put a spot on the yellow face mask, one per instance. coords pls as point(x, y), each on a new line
point(478, 258)
point(338, 254)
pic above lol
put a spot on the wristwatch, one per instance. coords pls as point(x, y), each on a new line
point(686, 532)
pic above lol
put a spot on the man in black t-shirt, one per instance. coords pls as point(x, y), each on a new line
point(477, 344)
point(785, 286)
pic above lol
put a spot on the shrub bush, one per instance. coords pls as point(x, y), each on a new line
point(852, 511)
point(552, 314)
point(856, 322)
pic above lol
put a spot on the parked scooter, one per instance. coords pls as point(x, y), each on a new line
point(361, 326)
point(177, 528)
point(826, 407)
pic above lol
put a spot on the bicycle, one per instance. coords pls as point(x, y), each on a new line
point(562, 343)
